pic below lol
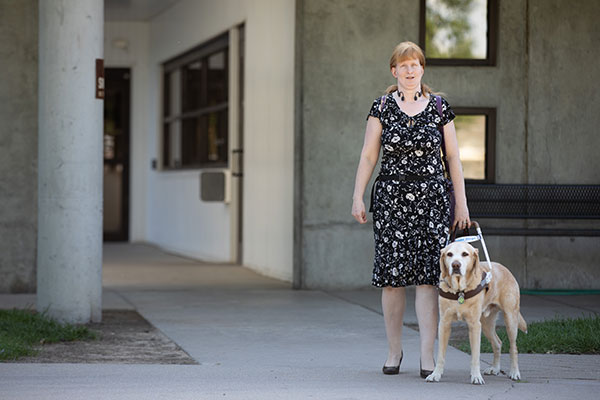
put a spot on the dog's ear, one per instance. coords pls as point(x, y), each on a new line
point(475, 256)
point(443, 268)
point(473, 265)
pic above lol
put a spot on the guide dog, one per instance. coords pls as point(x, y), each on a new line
point(475, 292)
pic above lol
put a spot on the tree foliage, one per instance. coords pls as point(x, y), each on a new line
point(448, 31)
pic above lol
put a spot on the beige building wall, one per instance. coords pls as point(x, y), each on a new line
point(542, 87)
point(18, 145)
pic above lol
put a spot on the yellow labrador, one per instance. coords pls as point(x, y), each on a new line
point(475, 292)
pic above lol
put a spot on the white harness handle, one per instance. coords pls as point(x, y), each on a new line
point(475, 238)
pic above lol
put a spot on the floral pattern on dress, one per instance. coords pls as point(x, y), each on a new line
point(410, 218)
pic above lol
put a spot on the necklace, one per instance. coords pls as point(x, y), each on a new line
point(401, 95)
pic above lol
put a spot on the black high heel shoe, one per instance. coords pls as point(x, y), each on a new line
point(393, 370)
point(424, 372)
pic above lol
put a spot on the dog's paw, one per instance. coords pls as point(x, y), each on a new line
point(492, 371)
point(434, 377)
point(515, 375)
point(477, 379)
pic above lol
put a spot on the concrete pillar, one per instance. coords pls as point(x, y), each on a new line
point(69, 258)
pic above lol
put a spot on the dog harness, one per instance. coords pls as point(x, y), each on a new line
point(462, 296)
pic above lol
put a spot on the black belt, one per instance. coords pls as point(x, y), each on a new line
point(396, 177)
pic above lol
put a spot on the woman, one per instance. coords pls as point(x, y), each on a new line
point(411, 205)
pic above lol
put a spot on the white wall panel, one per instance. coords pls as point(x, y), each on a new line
point(176, 218)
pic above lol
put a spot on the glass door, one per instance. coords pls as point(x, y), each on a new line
point(116, 154)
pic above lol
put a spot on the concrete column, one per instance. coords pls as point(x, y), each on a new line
point(69, 258)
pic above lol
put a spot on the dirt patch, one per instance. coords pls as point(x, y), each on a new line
point(124, 337)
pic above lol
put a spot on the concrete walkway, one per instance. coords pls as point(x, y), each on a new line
point(255, 338)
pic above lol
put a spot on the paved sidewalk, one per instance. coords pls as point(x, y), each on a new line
point(255, 338)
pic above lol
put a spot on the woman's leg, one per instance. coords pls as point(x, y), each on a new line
point(393, 302)
point(426, 306)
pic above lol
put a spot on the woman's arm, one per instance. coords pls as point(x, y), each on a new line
point(461, 212)
point(368, 159)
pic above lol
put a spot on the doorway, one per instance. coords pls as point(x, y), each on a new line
point(116, 154)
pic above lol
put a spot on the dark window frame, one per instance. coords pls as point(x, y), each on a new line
point(202, 52)
point(492, 40)
point(490, 140)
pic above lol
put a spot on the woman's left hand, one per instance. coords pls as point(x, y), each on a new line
point(461, 217)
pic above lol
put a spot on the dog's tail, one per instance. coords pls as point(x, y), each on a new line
point(522, 323)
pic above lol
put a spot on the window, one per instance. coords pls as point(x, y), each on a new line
point(195, 107)
point(476, 135)
point(459, 32)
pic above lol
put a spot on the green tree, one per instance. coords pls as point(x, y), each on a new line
point(447, 29)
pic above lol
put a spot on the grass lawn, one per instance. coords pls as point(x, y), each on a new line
point(22, 330)
point(555, 336)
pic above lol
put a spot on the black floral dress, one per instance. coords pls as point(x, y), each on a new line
point(410, 218)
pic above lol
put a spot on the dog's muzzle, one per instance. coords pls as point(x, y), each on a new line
point(456, 267)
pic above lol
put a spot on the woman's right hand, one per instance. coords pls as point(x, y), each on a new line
point(368, 159)
point(358, 211)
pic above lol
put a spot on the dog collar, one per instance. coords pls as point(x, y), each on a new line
point(462, 296)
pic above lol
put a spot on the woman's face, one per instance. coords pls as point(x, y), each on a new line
point(409, 73)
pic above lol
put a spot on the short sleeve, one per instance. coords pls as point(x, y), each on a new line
point(447, 113)
point(375, 111)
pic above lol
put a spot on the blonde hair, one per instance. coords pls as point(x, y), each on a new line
point(406, 51)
